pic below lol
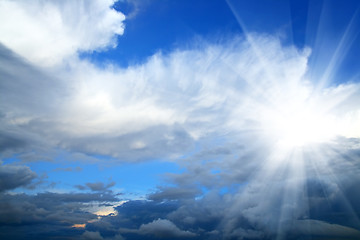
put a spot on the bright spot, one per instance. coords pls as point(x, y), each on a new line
point(82, 225)
point(105, 210)
point(299, 124)
point(301, 127)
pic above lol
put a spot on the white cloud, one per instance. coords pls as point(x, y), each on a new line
point(159, 108)
point(46, 32)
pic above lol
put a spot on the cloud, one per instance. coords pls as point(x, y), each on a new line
point(13, 176)
point(96, 186)
point(10, 142)
point(163, 228)
point(133, 7)
point(275, 200)
point(47, 32)
point(48, 214)
point(216, 110)
point(324, 229)
point(99, 186)
point(174, 193)
point(207, 109)
point(290, 207)
point(92, 235)
point(68, 169)
point(166, 105)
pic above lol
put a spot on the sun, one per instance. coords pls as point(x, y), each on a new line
point(301, 127)
point(298, 125)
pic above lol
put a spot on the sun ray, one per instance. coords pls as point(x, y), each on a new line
point(340, 52)
point(324, 165)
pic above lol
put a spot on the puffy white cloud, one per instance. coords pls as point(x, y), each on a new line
point(46, 32)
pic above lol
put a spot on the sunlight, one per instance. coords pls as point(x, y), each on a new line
point(300, 127)
point(299, 124)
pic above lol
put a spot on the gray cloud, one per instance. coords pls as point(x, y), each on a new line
point(13, 176)
point(317, 206)
point(275, 201)
point(10, 143)
point(68, 169)
point(91, 235)
point(99, 186)
point(323, 230)
point(174, 193)
point(96, 186)
point(163, 228)
point(47, 215)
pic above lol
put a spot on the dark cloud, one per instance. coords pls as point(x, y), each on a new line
point(276, 201)
point(8, 142)
point(47, 215)
point(20, 78)
point(91, 236)
point(322, 230)
point(163, 228)
point(99, 186)
point(13, 176)
point(96, 186)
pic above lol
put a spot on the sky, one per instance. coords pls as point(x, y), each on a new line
point(191, 119)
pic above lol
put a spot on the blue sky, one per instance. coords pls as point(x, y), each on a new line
point(161, 119)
